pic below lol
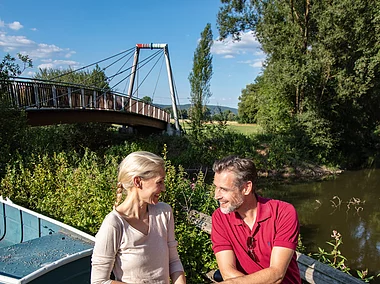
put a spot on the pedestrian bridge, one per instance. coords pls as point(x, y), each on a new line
point(49, 103)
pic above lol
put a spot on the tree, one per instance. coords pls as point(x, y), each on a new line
point(9, 67)
point(13, 122)
point(322, 71)
point(183, 114)
point(248, 105)
point(147, 100)
point(94, 79)
point(200, 78)
point(81, 133)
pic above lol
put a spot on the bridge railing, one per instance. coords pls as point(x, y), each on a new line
point(32, 94)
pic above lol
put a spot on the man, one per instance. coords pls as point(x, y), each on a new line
point(253, 238)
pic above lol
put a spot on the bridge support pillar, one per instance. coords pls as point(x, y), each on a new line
point(126, 129)
point(172, 131)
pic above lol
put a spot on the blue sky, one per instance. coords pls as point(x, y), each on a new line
point(77, 33)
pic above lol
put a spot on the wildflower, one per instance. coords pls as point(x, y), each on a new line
point(336, 235)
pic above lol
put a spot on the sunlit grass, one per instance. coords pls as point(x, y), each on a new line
point(243, 128)
point(246, 129)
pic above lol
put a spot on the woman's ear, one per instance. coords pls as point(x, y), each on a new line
point(137, 182)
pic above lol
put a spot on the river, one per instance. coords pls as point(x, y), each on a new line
point(349, 204)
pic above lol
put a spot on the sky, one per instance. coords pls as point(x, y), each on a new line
point(74, 34)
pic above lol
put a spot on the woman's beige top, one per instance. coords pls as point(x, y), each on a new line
point(132, 256)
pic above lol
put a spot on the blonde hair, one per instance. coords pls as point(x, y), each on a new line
point(137, 164)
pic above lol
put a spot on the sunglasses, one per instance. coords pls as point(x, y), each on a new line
point(251, 245)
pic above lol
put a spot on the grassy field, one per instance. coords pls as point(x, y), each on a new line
point(246, 129)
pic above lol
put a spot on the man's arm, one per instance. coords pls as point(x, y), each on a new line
point(227, 264)
point(275, 273)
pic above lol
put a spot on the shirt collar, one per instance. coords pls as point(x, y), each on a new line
point(263, 211)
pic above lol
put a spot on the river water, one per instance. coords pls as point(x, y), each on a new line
point(349, 204)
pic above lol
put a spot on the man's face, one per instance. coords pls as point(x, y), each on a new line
point(229, 196)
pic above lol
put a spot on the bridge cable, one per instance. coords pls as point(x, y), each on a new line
point(87, 78)
point(139, 85)
point(118, 73)
point(139, 67)
point(92, 64)
point(110, 78)
point(129, 68)
point(105, 68)
point(179, 105)
point(158, 78)
point(154, 65)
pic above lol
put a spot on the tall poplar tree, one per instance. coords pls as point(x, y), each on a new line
point(200, 78)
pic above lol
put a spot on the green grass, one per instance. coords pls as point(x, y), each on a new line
point(246, 129)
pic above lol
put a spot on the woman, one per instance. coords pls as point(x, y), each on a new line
point(136, 240)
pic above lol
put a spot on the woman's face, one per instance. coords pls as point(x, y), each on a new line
point(152, 187)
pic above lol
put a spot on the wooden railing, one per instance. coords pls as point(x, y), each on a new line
point(42, 95)
point(311, 270)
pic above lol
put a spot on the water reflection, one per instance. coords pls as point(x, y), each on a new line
point(349, 204)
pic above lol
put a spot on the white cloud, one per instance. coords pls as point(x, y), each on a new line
point(35, 51)
point(46, 66)
point(229, 56)
point(43, 55)
point(15, 26)
point(58, 64)
point(69, 53)
point(228, 48)
point(12, 42)
point(256, 63)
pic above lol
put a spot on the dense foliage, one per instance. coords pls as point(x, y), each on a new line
point(12, 120)
point(79, 189)
point(320, 85)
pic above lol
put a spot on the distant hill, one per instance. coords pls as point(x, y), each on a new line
point(213, 108)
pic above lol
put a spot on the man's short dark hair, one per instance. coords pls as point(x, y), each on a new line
point(244, 169)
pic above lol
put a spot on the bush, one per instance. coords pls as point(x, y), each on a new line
point(79, 190)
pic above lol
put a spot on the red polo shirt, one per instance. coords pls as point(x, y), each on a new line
point(276, 225)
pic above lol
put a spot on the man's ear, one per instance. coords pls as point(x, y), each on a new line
point(247, 188)
point(137, 181)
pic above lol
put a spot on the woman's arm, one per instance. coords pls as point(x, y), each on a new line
point(178, 277)
point(106, 246)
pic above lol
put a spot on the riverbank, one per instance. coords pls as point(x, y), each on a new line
point(303, 172)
